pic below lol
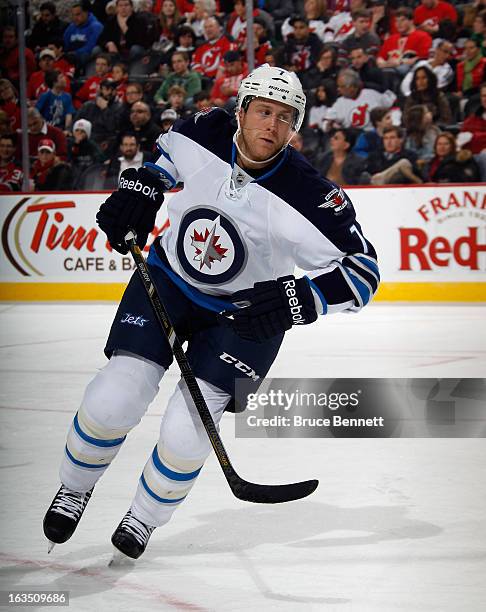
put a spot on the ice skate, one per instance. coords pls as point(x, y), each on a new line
point(130, 538)
point(63, 515)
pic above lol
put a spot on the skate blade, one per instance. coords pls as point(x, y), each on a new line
point(50, 546)
point(119, 559)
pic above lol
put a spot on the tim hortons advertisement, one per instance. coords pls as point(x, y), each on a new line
point(431, 243)
point(54, 238)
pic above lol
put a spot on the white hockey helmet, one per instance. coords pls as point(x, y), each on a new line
point(276, 84)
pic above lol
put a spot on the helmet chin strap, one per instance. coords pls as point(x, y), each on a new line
point(248, 159)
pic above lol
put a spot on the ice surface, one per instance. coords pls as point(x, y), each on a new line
point(395, 524)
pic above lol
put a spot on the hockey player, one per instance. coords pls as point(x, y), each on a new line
point(252, 208)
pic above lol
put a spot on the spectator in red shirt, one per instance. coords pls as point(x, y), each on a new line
point(470, 72)
point(473, 130)
point(9, 56)
point(36, 85)
point(225, 88)
point(11, 174)
point(208, 56)
point(39, 129)
point(90, 87)
point(61, 63)
point(236, 26)
point(261, 44)
point(9, 102)
point(49, 172)
point(431, 14)
point(119, 74)
point(400, 51)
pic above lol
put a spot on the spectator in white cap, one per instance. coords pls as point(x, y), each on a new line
point(83, 152)
point(167, 119)
point(48, 172)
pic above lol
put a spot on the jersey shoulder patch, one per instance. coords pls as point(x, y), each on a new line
point(300, 185)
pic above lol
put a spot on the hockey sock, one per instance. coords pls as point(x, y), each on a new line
point(114, 402)
point(176, 461)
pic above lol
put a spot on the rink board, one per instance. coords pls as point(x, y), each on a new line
point(431, 244)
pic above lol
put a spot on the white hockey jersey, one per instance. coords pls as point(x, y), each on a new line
point(356, 113)
point(229, 230)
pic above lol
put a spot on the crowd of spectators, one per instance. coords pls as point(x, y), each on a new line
point(396, 89)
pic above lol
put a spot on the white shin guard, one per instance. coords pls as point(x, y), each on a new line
point(177, 459)
point(114, 402)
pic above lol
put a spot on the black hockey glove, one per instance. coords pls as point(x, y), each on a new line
point(133, 206)
point(271, 308)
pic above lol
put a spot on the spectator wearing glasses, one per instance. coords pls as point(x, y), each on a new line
point(142, 125)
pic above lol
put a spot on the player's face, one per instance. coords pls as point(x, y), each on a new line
point(266, 127)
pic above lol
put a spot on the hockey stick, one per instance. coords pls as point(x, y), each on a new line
point(246, 491)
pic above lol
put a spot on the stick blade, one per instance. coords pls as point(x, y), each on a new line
point(272, 494)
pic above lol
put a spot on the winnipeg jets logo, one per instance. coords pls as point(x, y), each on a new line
point(206, 244)
point(335, 199)
point(210, 248)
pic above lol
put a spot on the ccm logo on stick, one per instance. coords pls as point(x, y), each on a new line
point(295, 306)
point(149, 192)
